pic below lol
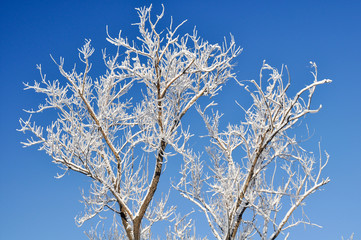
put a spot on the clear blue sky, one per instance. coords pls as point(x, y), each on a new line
point(34, 205)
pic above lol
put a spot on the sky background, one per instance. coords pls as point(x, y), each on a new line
point(35, 205)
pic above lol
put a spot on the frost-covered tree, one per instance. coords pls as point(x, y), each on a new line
point(123, 143)
point(259, 174)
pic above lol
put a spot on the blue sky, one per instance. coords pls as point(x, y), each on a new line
point(34, 205)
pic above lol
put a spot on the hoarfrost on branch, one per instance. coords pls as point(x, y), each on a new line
point(256, 165)
point(123, 144)
point(100, 133)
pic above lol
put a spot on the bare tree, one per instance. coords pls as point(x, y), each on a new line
point(101, 133)
point(123, 144)
point(257, 168)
